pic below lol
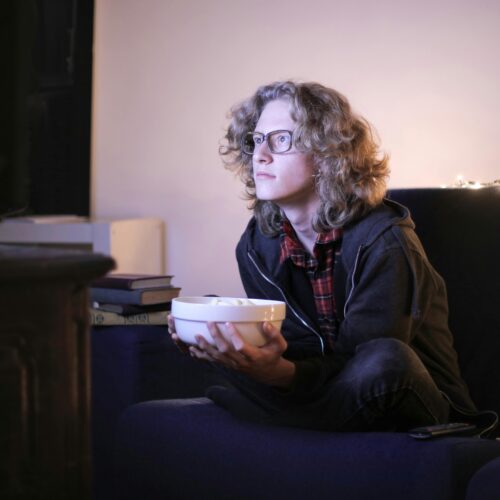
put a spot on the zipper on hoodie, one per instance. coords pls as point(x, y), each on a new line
point(353, 277)
point(297, 315)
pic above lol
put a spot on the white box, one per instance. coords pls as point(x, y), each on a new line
point(137, 245)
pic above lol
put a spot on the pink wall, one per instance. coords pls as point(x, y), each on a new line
point(426, 74)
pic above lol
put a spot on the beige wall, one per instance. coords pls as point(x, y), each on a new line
point(426, 74)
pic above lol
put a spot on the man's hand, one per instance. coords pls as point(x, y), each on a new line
point(175, 338)
point(265, 363)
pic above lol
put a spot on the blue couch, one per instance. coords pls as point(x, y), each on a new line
point(131, 364)
point(190, 448)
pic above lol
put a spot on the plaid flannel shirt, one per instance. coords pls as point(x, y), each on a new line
point(319, 268)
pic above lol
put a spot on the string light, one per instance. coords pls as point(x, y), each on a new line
point(460, 182)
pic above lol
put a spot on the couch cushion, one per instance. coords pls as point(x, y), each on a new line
point(194, 449)
point(485, 484)
point(133, 363)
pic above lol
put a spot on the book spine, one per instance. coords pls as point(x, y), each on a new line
point(142, 296)
point(123, 283)
point(106, 318)
point(115, 296)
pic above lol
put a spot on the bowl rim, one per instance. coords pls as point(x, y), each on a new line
point(186, 307)
point(195, 299)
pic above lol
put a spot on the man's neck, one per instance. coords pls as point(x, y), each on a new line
point(301, 221)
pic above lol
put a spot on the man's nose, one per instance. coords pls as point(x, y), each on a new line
point(262, 153)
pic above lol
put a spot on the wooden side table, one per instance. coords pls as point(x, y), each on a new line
point(45, 371)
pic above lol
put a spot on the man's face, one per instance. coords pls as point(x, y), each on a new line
point(287, 178)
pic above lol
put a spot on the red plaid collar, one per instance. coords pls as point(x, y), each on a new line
point(292, 248)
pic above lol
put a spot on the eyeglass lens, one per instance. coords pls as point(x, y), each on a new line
point(278, 141)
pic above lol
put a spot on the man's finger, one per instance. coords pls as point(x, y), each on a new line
point(200, 354)
point(235, 336)
point(219, 339)
point(273, 336)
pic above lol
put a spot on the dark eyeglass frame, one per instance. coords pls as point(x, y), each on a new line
point(245, 146)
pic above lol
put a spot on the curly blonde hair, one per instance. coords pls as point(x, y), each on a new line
point(351, 175)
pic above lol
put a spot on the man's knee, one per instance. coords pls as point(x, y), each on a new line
point(391, 360)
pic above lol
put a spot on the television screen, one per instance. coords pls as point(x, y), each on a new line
point(45, 89)
point(15, 57)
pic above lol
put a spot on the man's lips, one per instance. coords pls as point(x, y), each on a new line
point(264, 175)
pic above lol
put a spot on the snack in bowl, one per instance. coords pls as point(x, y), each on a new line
point(192, 313)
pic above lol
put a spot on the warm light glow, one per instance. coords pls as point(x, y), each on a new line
point(461, 183)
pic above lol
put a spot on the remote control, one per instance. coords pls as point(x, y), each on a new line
point(440, 430)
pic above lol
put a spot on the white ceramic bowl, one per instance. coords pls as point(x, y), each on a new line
point(192, 313)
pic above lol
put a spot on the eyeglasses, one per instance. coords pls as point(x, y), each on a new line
point(278, 141)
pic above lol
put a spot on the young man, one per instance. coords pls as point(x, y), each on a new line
point(365, 345)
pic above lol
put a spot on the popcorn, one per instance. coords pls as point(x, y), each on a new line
point(217, 301)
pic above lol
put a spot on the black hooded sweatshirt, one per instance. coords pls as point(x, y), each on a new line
point(384, 286)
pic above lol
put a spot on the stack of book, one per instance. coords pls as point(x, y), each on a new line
point(131, 299)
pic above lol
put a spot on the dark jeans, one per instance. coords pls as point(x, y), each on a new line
point(384, 386)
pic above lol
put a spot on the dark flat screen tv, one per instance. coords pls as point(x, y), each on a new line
point(45, 95)
point(14, 47)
